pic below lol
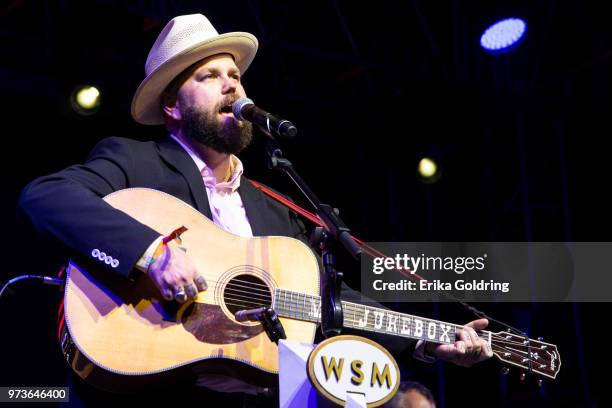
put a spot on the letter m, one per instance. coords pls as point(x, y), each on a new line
point(379, 377)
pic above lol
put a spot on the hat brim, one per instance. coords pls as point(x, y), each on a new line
point(146, 106)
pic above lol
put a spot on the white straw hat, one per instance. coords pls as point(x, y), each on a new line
point(184, 41)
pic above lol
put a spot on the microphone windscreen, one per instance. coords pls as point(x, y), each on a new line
point(239, 105)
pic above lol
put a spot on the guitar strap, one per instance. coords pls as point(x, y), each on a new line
point(303, 212)
point(287, 203)
point(316, 220)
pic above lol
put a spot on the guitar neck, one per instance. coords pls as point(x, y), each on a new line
point(301, 306)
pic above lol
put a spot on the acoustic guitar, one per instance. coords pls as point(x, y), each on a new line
point(121, 334)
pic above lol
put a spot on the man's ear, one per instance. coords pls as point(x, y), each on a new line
point(170, 106)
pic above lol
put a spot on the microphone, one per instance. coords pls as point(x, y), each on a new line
point(245, 109)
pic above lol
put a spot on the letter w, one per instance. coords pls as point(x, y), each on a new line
point(328, 367)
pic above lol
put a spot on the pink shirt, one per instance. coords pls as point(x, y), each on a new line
point(225, 202)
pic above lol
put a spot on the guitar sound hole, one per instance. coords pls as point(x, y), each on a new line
point(245, 292)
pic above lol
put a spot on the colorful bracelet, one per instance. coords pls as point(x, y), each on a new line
point(159, 251)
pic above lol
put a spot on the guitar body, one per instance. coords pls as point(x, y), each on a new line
point(126, 335)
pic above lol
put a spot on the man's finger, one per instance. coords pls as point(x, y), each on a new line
point(476, 346)
point(180, 295)
point(450, 351)
point(167, 294)
point(460, 347)
point(190, 290)
point(455, 353)
point(201, 283)
point(465, 337)
point(478, 324)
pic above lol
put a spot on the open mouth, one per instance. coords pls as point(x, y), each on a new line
point(226, 110)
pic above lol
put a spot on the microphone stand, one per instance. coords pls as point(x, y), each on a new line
point(335, 231)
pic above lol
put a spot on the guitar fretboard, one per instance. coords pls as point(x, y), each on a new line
point(307, 307)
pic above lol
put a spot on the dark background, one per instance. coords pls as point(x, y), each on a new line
point(373, 88)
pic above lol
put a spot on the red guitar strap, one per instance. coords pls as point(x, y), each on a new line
point(288, 203)
point(316, 220)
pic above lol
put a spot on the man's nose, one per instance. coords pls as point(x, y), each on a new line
point(229, 85)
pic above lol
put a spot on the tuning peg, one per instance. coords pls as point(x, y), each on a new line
point(522, 376)
point(540, 338)
point(505, 370)
point(540, 382)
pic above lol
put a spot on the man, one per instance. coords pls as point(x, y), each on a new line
point(192, 78)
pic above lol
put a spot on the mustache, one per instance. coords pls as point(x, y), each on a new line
point(227, 101)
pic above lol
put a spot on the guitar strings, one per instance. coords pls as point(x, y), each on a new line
point(511, 351)
point(231, 297)
point(239, 305)
point(348, 307)
point(495, 345)
point(504, 351)
point(353, 308)
point(520, 354)
point(502, 339)
point(249, 286)
point(233, 285)
point(532, 360)
point(267, 290)
point(483, 334)
point(499, 348)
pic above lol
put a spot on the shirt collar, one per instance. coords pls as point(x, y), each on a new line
point(210, 180)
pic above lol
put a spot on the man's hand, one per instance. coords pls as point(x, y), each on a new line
point(175, 275)
point(469, 349)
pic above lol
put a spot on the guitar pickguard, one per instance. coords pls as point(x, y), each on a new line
point(199, 318)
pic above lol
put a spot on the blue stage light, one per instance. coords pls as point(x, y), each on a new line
point(503, 35)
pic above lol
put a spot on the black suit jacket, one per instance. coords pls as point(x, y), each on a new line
point(67, 205)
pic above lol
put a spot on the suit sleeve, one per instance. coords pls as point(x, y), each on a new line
point(68, 206)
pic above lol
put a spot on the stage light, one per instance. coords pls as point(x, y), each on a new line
point(85, 100)
point(504, 35)
point(428, 170)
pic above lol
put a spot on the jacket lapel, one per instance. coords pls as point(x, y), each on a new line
point(254, 206)
point(252, 198)
point(178, 158)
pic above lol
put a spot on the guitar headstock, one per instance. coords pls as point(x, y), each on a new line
point(534, 356)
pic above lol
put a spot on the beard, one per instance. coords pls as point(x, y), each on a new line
point(227, 136)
